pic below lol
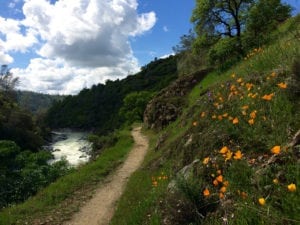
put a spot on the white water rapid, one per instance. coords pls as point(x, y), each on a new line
point(72, 146)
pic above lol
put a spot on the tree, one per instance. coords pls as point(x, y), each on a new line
point(7, 81)
point(263, 18)
point(186, 42)
point(134, 105)
point(188, 60)
point(219, 18)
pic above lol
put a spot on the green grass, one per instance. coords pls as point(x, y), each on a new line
point(59, 200)
point(193, 137)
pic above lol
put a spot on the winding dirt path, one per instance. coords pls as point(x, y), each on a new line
point(100, 209)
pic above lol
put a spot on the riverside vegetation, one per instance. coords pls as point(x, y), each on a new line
point(230, 153)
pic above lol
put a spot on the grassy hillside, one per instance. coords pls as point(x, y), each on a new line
point(230, 158)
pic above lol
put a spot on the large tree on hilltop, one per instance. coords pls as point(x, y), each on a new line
point(7, 81)
point(218, 18)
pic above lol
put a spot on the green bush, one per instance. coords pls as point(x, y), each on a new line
point(224, 53)
point(23, 173)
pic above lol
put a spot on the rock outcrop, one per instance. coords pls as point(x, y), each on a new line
point(167, 105)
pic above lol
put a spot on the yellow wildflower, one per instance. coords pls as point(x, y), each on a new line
point(219, 178)
point(220, 117)
point(215, 182)
point(268, 97)
point(213, 116)
point(225, 115)
point(239, 80)
point(195, 123)
point(235, 120)
point(245, 107)
point(275, 181)
point(251, 121)
point(292, 187)
point(273, 74)
point(206, 160)
point(224, 150)
point(230, 118)
point(253, 114)
point(232, 88)
point(221, 195)
point(225, 183)
point(206, 192)
point(238, 155)
point(249, 86)
point(282, 85)
point(228, 155)
point(261, 201)
point(244, 195)
point(223, 189)
point(254, 96)
point(244, 113)
point(276, 150)
point(233, 75)
point(203, 114)
point(154, 183)
point(219, 171)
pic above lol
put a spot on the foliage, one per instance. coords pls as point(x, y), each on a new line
point(23, 173)
point(188, 61)
point(134, 105)
point(18, 125)
point(36, 102)
point(224, 53)
point(7, 81)
point(263, 18)
point(186, 42)
point(99, 106)
point(102, 142)
point(220, 18)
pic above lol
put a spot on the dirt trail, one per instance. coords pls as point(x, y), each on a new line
point(100, 209)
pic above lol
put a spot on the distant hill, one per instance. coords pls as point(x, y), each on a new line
point(35, 102)
point(98, 108)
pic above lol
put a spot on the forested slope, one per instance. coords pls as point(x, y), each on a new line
point(98, 108)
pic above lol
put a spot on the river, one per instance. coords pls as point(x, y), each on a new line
point(70, 145)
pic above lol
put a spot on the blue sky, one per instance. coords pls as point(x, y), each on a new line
point(66, 45)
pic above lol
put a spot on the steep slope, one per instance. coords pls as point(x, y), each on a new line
point(232, 156)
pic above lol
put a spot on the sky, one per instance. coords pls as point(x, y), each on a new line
point(63, 46)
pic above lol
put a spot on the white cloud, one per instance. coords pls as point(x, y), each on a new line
point(165, 28)
point(80, 42)
point(57, 76)
point(13, 39)
point(166, 55)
